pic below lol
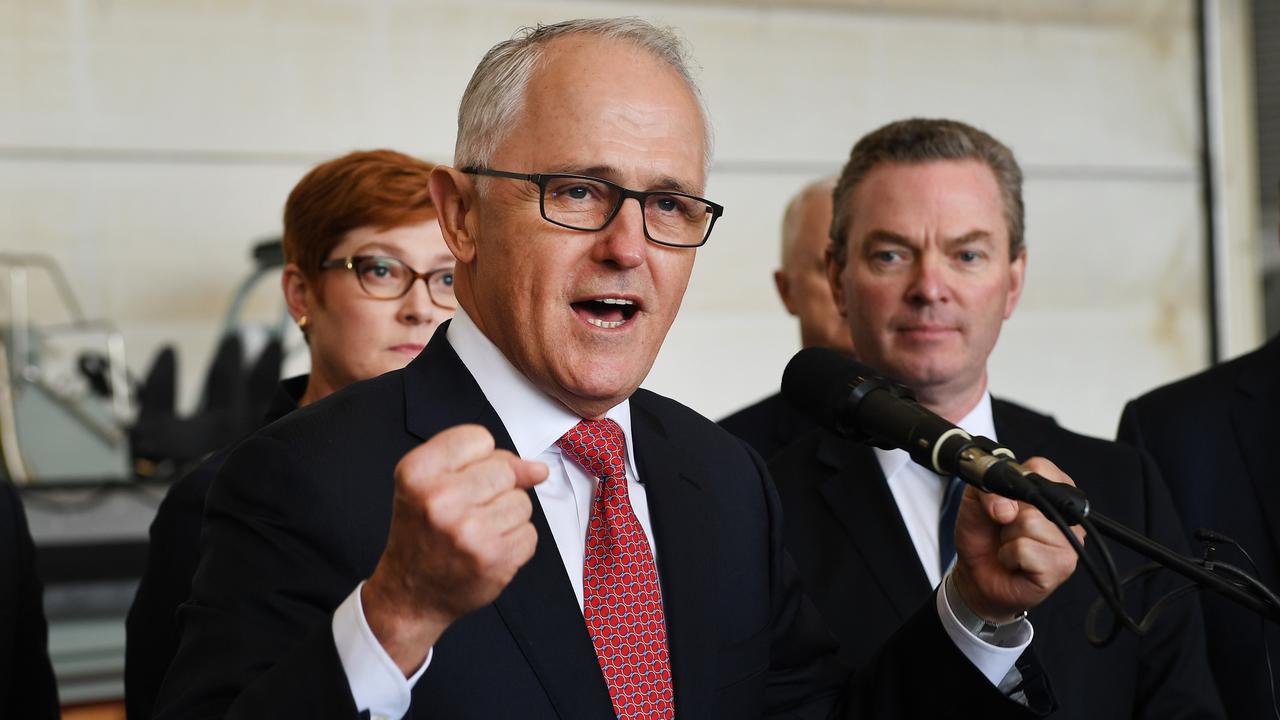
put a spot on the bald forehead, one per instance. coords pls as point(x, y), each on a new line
point(806, 223)
point(638, 92)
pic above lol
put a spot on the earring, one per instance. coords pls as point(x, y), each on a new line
point(302, 322)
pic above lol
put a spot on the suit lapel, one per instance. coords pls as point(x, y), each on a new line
point(679, 513)
point(542, 613)
point(1254, 421)
point(860, 498)
point(1026, 436)
point(539, 606)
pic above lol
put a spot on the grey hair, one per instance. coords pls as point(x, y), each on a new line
point(495, 96)
point(920, 140)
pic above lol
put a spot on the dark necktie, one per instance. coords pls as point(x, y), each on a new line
point(622, 602)
point(947, 513)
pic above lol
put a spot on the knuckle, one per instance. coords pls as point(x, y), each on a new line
point(523, 505)
point(443, 504)
point(450, 449)
point(470, 535)
point(1019, 546)
point(524, 540)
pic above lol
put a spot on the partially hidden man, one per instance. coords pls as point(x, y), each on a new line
point(1213, 436)
point(773, 423)
point(927, 262)
point(508, 527)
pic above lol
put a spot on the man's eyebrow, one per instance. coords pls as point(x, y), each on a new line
point(667, 182)
point(973, 236)
point(604, 172)
point(886, 236)
point(610, 173)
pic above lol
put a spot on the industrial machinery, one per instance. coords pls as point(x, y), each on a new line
point(92, 449)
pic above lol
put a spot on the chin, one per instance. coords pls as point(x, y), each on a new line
point(602, 385)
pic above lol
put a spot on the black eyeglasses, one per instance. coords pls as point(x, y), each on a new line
point(388, 278)
point(582, 202)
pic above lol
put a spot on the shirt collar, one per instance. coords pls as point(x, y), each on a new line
point(979, 421)
point(533, 419)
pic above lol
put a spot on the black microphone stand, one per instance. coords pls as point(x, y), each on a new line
point(989, 466)
point(1256, 602)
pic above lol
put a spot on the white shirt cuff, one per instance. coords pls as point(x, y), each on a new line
point(993, 661)
point(377, 685)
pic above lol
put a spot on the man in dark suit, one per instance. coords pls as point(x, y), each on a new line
point(773, 423)
point(928, 261)
point(1213, 435)
point(27, 688)
point(470, 537)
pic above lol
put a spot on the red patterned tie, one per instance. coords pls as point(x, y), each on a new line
point(621, 601)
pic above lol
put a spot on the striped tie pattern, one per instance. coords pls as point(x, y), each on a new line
point(947, 514)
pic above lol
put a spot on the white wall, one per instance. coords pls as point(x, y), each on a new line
point(144, 144)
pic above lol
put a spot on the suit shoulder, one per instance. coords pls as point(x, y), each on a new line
point(753, 416)
point(1059, 440)
point(1205, 390)
point(368, 402)
point(799, 458)
point(189, 491)
point(690, 427)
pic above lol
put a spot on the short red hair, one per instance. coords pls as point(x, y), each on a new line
point(379, 188)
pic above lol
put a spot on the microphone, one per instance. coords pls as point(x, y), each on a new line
point(857, 402)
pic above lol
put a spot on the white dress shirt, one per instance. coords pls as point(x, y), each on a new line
point(535, 422)
point(918, 492)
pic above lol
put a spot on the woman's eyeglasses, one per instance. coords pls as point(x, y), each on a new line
point(388, 278)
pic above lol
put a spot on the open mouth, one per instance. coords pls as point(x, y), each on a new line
point(606, 312)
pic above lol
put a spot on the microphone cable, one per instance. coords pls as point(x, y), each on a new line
point(1240, 577)
point(1209, 538)
point(1110, 588)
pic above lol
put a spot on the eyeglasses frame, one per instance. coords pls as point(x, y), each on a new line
point(541, 180)
point(349, 263)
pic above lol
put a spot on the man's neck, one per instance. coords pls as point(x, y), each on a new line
point(952, 403)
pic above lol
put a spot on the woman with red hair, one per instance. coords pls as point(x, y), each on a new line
point(359, 232)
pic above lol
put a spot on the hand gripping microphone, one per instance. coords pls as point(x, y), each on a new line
point(857, 402)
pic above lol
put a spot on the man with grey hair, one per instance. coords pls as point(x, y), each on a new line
point(772, 423)
point(928, 262)
point(509, 527)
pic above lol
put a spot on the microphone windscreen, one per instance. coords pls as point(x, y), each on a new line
point(817, 382)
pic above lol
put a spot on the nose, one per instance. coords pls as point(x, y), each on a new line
point(416, 307)
point(622, 243)
point(929, 281)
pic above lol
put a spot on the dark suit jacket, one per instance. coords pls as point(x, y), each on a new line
point(862, 571)
point(27, 688)
point(151, 629)
point(769, 425)
point(1214, 437)
point(300, 514)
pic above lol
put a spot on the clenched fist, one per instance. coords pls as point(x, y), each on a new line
point(1009, 556)
point(460, 530)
